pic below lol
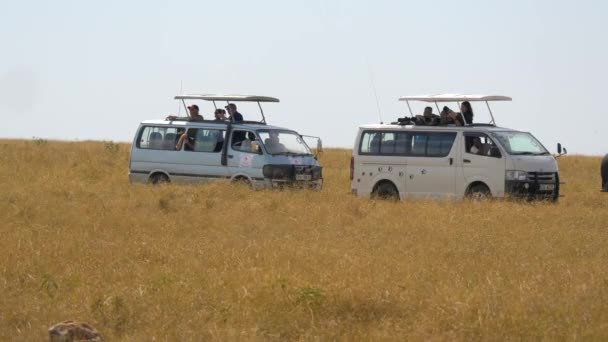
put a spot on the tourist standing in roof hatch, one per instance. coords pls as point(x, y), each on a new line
point(220, 115)
point(193, 116)
point(467, 112)
point(234, 114)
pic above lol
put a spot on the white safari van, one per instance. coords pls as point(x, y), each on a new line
point(252, 152)
point(412, 158)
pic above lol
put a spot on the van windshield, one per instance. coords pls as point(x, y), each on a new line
point(284, 142)
point(520, 143)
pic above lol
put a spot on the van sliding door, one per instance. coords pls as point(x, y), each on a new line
point(200, 156)
point(431, 170)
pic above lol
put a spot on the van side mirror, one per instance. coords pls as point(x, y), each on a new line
point(319, 146)
point(561, 150)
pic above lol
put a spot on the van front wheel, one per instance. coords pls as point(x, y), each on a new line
point(479, 192)
point(159, 178)
point(242, 181)
point(385, 190)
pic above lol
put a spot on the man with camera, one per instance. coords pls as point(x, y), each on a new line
point(449, 117)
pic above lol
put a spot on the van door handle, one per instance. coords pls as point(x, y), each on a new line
point(230, 156)
point(466, 161)
point(451, 161)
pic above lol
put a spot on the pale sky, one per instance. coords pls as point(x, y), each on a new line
point(95, 69)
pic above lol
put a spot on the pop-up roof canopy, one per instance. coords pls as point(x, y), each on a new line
point(456, 98)
point(228, 99)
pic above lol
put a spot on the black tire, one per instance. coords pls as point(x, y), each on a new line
point(479, 192)
point(159, 178)
point(385, 190)
point(242, 181)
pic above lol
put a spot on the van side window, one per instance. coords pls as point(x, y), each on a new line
point(415, 144)
point(440, 144)
point(481, 145)
point(245, 141)
point(387, 144)
point(383, 143)
point(370, 143)
point(204, 140)
point(418, 145)
point(158, 138)
point(432, 144)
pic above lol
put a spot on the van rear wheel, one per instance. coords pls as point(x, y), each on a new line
point(385, 190)
point(159, 178)
point(479, 192)
point(242, 181)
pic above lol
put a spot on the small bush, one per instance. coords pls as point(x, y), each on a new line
point(312, 297)
point(39, 141)
point(111, 147)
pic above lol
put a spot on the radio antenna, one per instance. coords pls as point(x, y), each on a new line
point(181, 89)
point(371, 79)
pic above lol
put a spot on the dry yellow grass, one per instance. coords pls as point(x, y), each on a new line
point(219, 262)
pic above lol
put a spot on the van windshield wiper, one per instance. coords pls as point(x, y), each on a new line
point(527, 153)
point(524, 153)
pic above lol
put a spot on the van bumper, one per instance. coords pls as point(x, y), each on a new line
point(282, 184)
point(536, 187)
point(279, 175)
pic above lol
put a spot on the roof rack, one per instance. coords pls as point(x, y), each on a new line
point(228, 98)
point(455, 98)
point(233, 98)
point(458, 98)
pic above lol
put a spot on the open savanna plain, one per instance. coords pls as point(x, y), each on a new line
point(222, 262)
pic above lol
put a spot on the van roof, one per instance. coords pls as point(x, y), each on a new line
point(212, 123)
point(488, 128)
point(455, 98)
point(229, 98)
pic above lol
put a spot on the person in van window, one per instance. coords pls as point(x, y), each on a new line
point(476, 147)
point(186, 139)
point(220, 142)
point(234, 114)
point(449, 117)
point(255, 143)
point(273, 143)
point(246, 143)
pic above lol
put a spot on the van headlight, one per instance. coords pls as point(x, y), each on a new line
point(514, 175)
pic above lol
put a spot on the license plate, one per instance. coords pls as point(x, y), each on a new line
point(303, 177)
point(547, 187)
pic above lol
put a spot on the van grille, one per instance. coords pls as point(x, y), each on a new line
point(541, 176)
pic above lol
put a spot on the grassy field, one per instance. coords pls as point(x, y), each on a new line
point(220, 262)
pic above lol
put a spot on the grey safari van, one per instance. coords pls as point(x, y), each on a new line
point(253, 152)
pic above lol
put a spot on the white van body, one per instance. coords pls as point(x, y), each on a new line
point(261, 155)
point(417, 161)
